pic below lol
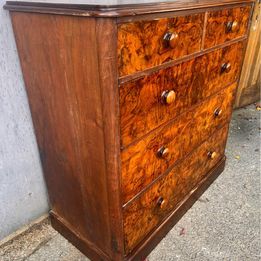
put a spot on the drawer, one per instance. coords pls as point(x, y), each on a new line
point(150, 157)
point(226, 24)
point(142, 107)
point(144, 214)
point(144, 44)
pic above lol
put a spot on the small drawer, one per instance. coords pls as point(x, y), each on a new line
point(226, 25)
point(150, 157)
point(155, 99)
point(144, 44)
point(144, 214)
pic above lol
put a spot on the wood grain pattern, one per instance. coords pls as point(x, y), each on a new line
point(140, 106)
point(141, 45)
point(217, 21)
point(144, 214)
point(140, 164)
point(62, 74)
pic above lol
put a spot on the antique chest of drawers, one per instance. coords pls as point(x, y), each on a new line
point(131, 104)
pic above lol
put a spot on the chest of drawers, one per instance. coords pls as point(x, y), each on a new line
point(131, 105)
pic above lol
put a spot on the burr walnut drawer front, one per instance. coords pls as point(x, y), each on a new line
point(147, 43)
point(155, 99)
point(226, 24)
point(142, 215)
point(153, 155)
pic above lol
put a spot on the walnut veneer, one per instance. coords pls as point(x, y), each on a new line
point(131, 105)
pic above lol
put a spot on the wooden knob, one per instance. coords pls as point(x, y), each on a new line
point(212, 154)
point(218, 112)
point(162, 152)
point(226, 67)
point(170, 39)
point(168, 97)
point(161, 202)
point(232, 26)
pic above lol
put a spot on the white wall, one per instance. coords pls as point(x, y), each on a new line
point(23, 195)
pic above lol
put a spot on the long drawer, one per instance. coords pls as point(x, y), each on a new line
point(152, 156)
point(143, 105)
point(144, 214)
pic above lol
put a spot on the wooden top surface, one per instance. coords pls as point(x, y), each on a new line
point(113, 8)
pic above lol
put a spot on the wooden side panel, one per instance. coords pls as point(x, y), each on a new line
point(216, 30)
point(140, 163)
point(140, 101)
point(61, 71)
point(250, 81)
point(106, 32)
point(144, 214)
point(140, 44)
